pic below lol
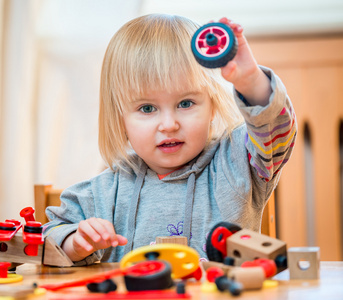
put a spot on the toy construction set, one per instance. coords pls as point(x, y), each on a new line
point(239, 260)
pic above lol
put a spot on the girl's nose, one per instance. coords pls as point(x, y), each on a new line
point(168, 123)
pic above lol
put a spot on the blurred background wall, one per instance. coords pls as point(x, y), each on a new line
point(50, 59)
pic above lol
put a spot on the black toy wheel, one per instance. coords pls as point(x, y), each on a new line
point(105, 286)
point(213, 253)
point(214, 45)
point(151, 275)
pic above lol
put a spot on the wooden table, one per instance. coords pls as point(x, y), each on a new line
point(329, 286)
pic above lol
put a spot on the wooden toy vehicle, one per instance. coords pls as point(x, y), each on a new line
point(228, 242)
point(214, 45)
point(25, 243)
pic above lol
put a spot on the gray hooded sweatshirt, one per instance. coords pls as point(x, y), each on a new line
point(230, 180)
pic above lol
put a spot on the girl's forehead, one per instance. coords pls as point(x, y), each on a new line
point(179, 86)
point(176, 92)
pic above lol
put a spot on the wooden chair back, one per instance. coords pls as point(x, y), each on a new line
point(46, 195)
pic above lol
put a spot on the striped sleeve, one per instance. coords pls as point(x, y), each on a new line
point(271, 130)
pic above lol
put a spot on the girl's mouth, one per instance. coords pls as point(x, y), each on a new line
point(171, 144)
point(170, 147)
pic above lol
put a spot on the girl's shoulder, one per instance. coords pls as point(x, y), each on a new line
point(236, 136)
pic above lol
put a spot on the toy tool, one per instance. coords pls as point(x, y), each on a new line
point(24, 243)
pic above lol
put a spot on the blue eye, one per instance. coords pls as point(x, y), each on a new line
point(147, 109)
point(185, 104)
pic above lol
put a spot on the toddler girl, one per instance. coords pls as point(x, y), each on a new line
point(187, 147)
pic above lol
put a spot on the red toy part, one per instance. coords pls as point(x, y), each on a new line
point(3, 269)
point(268, 265)
point(32, 236)
point(16, 222)
point(142, 268)
point(146, 268)
point(8, 229)
point(129, 295)
point(197, 274)
point(218, 239)
point(213, 272)
point(27, 214)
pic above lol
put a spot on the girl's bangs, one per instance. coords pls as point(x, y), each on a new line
point(158, 57)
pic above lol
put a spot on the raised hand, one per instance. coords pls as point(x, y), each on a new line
point(244, 72)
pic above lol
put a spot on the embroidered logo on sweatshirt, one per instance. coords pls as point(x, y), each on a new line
point(176, 230)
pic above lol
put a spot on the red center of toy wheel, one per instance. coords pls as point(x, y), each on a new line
point(205, 47)
point(146, 268)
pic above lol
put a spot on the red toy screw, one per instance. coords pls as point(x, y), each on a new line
point(268, 266)
point(213, 273)
point(27, 214)
point(3, 269)
point(10, 226)
point(32, 235)
point(15, 222)
point(218, 239)
point(197, 274)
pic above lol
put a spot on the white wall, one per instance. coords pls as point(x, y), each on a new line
point(260, 17)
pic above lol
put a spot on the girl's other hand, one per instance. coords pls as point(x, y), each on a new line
point(92, 234)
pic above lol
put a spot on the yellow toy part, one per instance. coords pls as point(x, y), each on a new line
point(208, 287)
point(270, 283)
point(183, 259)
point(11, 278)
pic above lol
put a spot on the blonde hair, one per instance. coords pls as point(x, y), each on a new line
point(153, 52)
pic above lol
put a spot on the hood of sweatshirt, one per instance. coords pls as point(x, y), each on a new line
point(188, 172)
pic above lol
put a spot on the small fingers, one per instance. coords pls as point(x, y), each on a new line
point(229, 69)
point(237, 28)
point(86, 229)
point(103, 228)
point(121, 240)
point(113, 237)
point(101, 232)
point(80, 242)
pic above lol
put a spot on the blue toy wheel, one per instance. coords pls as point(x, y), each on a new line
point(214, 45)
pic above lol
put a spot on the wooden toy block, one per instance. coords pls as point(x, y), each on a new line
point(54, 255)
point(247, 245)
point(251, 278)
point(175, 239)
point(303, 262)
point(14, 252)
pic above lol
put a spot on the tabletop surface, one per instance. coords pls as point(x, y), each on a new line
point(329, 286)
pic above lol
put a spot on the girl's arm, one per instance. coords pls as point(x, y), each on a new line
point(83, 224)
point(266, 107)
point(243, 71)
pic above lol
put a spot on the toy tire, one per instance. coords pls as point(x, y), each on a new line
point(105, 286)
point(157, 280)
point(217, 55)
point(212, 253)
